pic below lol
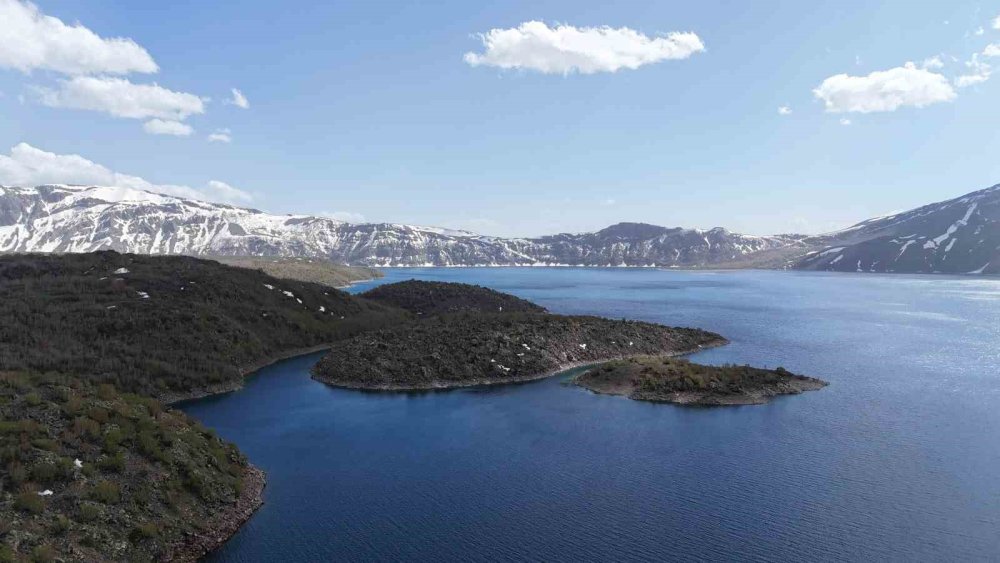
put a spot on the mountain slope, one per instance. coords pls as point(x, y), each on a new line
point(961, 235)
point(59, 218)
point(956, 236)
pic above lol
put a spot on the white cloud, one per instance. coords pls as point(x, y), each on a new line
point(164, 127)
point(220, 136)
point(844, 121)
point(121, 98)
point(31, 40)
point(932, 63)
point(239, 100)
point(566, 49)
point(979, 72)
point(992, 50)
point(886, 90)
point(979, 31)
point(996, 23)
point(29, 166)
point(784, 110)
point(224, 192)
point(345, 216)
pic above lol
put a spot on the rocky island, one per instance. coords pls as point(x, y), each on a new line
point(674, 380)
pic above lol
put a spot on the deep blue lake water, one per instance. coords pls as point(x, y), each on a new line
point(898, 459)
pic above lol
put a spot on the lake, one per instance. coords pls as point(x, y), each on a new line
point(898, 459)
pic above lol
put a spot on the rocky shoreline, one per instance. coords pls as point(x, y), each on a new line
point(173, 398)
point(224, 525)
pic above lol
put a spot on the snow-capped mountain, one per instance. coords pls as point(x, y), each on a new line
point(61, 218)
point(961, 235)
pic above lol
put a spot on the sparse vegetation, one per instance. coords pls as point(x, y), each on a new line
point(201, 325)
point(677, 380)
point(137, 488)
point(474, 348)
point(426, 298)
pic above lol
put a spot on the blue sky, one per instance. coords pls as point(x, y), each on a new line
point(368, 109)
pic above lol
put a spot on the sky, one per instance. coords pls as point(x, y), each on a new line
point(511, 118)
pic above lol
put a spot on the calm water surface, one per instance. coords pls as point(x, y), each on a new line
point(898, 459)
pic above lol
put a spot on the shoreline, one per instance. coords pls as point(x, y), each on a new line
point(506, 380)
point(225, 525)
point(172, 399)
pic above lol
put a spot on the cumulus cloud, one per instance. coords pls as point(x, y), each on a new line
point(121, 98)
point(31, 40)
point(220, 136)
point(30, 166)
point(784, 110)
point(887, 90)
point(565, 49)
point(345, 216)
point(996, 23)
point(166, 127)
point(238, 100)
point(844, 121)
point(992, 50)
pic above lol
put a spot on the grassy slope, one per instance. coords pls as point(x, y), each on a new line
point(201, 323)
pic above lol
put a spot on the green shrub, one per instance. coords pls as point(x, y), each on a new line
point(45, 444)
point(144, 531)
point(106, 391)
point(33, 399)
point(60, 525)
point(45, 472)
point(106, 492)
point(114, 463)
point(43, 554)
point(112, 439)
point(6, 554)
point(30, 502)
point(17, 473)
point(88, 512)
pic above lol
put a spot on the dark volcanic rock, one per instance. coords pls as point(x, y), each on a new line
point(436, 298)
point(673, 380)
point(475, 349)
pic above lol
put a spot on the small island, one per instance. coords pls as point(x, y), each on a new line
point(674, 380)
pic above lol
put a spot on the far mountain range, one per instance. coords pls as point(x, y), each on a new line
point(958, 236)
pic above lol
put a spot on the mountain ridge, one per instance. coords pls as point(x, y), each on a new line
point(63, 218)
